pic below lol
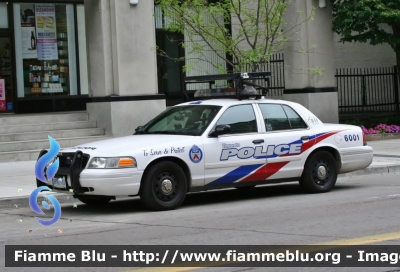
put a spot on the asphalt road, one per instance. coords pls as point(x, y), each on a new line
point(360, 210)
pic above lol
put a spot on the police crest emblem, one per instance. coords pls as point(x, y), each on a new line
point(195, 154)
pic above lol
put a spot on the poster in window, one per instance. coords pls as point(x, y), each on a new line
point(28, 31)
point(46, 38)
point(2, 95)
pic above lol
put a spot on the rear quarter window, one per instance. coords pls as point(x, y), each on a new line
point(294, 118)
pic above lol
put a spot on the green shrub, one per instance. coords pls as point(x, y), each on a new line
point(355, 122)
point(373, 122)
point(394, 119)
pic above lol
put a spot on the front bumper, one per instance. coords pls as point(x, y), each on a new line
point(104, 182)
point(111, 182)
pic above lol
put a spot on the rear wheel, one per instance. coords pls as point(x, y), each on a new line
point(164, 186)
point(320, 172)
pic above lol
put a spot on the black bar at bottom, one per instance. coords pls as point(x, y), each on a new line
point(202, 256)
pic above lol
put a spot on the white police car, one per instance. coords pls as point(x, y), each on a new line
point(210, 144)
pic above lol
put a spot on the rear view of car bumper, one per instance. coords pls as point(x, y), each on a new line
point(355, 158)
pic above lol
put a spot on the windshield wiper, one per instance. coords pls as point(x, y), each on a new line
point(162, 132)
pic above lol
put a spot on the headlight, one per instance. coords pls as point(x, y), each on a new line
point(122, 162)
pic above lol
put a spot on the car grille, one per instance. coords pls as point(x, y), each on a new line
point(65, 159)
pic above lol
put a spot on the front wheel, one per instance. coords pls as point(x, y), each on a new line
point(164, 186)
point(320, 172)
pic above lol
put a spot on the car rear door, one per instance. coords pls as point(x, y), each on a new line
point(287, 138)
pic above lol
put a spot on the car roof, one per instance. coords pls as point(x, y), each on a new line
point(234, 101)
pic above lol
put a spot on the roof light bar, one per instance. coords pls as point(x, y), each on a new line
point(243, 85)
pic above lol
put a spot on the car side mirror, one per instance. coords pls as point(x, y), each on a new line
point(220, 130)
point(138, 129)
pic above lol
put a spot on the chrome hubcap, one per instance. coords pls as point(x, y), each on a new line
point(321, 172)
point(166, 186)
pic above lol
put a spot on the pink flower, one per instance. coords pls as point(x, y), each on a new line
point(364, 130)
point(393, 129)
point(381, 128)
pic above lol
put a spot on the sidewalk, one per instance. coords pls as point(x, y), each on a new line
point(17, 179)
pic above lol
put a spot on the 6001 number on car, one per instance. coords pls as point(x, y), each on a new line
point(351, 137)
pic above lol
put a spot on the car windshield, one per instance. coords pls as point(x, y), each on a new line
point(183, 120)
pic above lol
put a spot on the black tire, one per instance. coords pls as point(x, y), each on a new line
point(320, 172)
point(164, 186)
point(94, 201)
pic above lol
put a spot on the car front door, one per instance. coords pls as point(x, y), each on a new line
point(235, 157)
point(287, 138)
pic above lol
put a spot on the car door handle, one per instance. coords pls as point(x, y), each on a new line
point(305, 138)
point(258, 141)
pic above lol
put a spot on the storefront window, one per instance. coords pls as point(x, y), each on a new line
point(6, 83)
point(83, 61)
point(3, 15)
point(45, 49)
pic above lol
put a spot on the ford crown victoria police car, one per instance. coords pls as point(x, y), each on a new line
point(210, 144)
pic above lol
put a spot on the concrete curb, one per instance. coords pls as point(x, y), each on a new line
point(22, 201)
point(382, 136)
point(376, 170)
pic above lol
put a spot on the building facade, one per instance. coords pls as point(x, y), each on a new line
point(363, 55)
point(43, 60)
point(93, 55)
point(99, 56)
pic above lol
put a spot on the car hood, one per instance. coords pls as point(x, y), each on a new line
point(126, 145)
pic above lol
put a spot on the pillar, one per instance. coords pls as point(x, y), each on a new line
point(318, 93)
point(122, 64)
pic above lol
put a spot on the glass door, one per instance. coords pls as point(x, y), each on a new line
point(169, 68)
point(6, 76)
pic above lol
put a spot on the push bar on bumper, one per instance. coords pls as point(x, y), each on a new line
point(71, 166)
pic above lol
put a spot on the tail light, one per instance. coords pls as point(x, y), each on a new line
point(364, 138)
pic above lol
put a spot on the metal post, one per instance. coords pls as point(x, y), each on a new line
point(396, 88)
point(364, 91)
